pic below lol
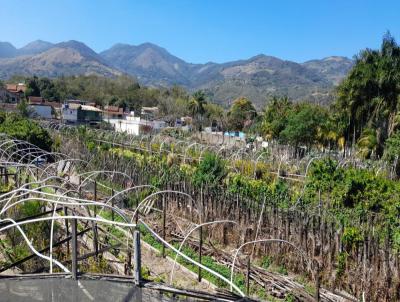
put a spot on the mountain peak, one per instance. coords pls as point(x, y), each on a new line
point(72, 43)
point(35, 47)
point(336, 59)
point(264, 57)
point(80, 47)
point(7, 50)
point(37, 43)
point(148, 44)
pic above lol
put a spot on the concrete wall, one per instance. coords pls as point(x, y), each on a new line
point(131, 126)
point(157, 125)
point(70, 115)
point(41, 111)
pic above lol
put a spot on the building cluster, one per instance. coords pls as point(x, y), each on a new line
point(13, 94)
point(80, 112)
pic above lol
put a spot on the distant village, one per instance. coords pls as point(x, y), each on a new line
point(78, 112)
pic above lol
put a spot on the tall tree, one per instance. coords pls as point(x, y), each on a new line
point(275, 116)
point(32, 86)
point(304, 123)
point(241, 113)
point(369, 96)
point(197, 107)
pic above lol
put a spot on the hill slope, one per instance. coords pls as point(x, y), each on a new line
point(257, 78)
point(67, 58)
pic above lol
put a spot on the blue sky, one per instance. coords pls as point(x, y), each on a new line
point(207, 30)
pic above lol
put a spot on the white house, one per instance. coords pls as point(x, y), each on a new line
point(69, 112)
point(78, 113)
point(135, 125)
point(129, 125)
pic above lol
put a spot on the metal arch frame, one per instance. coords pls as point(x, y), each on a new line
point(187, 236)
point(300, 252)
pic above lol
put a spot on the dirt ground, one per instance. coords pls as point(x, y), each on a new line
point(161, 268)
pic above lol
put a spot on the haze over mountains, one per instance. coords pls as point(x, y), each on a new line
point(257, 77)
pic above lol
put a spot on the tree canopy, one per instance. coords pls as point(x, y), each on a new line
point(241, 113)
point(22, 128)
point(370, 95)
point(304, 124)
point(297, 124)
point(275, 116)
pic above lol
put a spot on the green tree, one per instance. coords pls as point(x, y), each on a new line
point(215, 115)
point(32, 86)
point(275, 117)
point(47, 89)
point(241, 113)
point(172, 108)
point(369, 96)
point(22, 128)
point(197, 107)
point(367, 143)
point(210, 171)
point(23, 108)
point(392, 152)
point(304, 123)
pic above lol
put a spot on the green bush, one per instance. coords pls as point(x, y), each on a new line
point(211, 170)
point(352, 236)
point(266, 262)
point(22, 128)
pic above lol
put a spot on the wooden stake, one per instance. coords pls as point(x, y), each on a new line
point(317, 282)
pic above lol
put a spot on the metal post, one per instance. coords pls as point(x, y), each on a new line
point(112, 204)
point(95, 233)
point(200, 250)
point(95, 197)
point(74, 243)
point(164, 203)
point(137, 258)
point(248, 277)
point(67, 227)
point(200, 232)
point(95, 240)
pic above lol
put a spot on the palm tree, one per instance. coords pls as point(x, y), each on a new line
point(368, 143)
point(197, 106)
point(369, 96)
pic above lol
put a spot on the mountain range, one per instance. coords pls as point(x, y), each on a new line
point(256, 78)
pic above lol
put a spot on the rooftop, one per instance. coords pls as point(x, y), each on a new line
point(75, 106)
point(20, 87)
point(60, 287)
